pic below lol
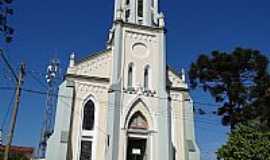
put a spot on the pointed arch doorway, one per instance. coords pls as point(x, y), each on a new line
point(137, 138)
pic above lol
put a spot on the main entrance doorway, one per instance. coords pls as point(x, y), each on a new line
point(136, 149)
point(137, 138)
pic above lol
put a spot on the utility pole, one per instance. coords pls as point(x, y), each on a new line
point(19, 83)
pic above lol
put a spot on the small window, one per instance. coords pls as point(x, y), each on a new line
point(130, 76)
point(86, 150)
point(140, 8)
point(127, 14)
point(127, 2)
point(89, 116)
point(152, 18)
point(146, 78)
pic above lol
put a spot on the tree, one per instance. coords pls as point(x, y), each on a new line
point(5, 29)
point(237, 80)
point(262, 104)
point(246, 142)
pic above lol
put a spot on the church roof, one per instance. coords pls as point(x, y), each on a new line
point(92, 56)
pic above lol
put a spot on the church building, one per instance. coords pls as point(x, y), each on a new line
point(125, 102)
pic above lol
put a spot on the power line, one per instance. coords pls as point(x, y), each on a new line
point(177, 100)
point(12, 71)
point(63, 96)
point(18, 82)
point(37, 80)
point(7, 88)
point(195, 102)
point(5, 75)
point(207, 123)
point(111, 106)
point(8, 111)
point(32, 72)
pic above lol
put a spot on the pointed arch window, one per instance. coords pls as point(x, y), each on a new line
point(140, 8)
point(130, 75)
point(127, 11)
point(89, 116)
point(87, 137)
point(146, 78)
point(127, 2)
point(127, 14)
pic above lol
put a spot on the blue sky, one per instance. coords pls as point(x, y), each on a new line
point(45, 29)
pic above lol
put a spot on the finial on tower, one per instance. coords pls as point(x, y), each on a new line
point(161, 20)
point(119, 14)
point(183, 74)
point(72, 59)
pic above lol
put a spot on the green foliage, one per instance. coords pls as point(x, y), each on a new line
point(5, 11)
point(246, 142)
point(237, 80)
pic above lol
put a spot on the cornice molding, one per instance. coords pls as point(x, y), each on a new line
point(143, 27)
point(88, 78)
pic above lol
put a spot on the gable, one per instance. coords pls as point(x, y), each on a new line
point(174, 80)
point(97, 65)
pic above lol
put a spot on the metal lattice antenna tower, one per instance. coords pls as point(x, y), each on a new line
point(50, 108)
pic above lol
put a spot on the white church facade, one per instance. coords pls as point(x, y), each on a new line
point(125, 103)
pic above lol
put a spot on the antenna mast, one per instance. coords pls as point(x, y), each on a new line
point(50, 108)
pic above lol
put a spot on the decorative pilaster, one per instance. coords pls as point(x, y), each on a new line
point(113, 122)
point(165, 143)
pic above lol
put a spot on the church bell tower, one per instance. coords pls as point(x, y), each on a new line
point(138, 83)
point(142, 12)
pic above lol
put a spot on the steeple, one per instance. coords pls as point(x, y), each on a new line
point(142, 12)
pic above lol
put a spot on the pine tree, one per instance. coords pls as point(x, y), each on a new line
point(238, 80)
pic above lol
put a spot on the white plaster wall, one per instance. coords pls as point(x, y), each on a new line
point(99, 93)
point(178, 117)
point(96, 66)
point(150, 56)
point(190, 128)
point(62, 124)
